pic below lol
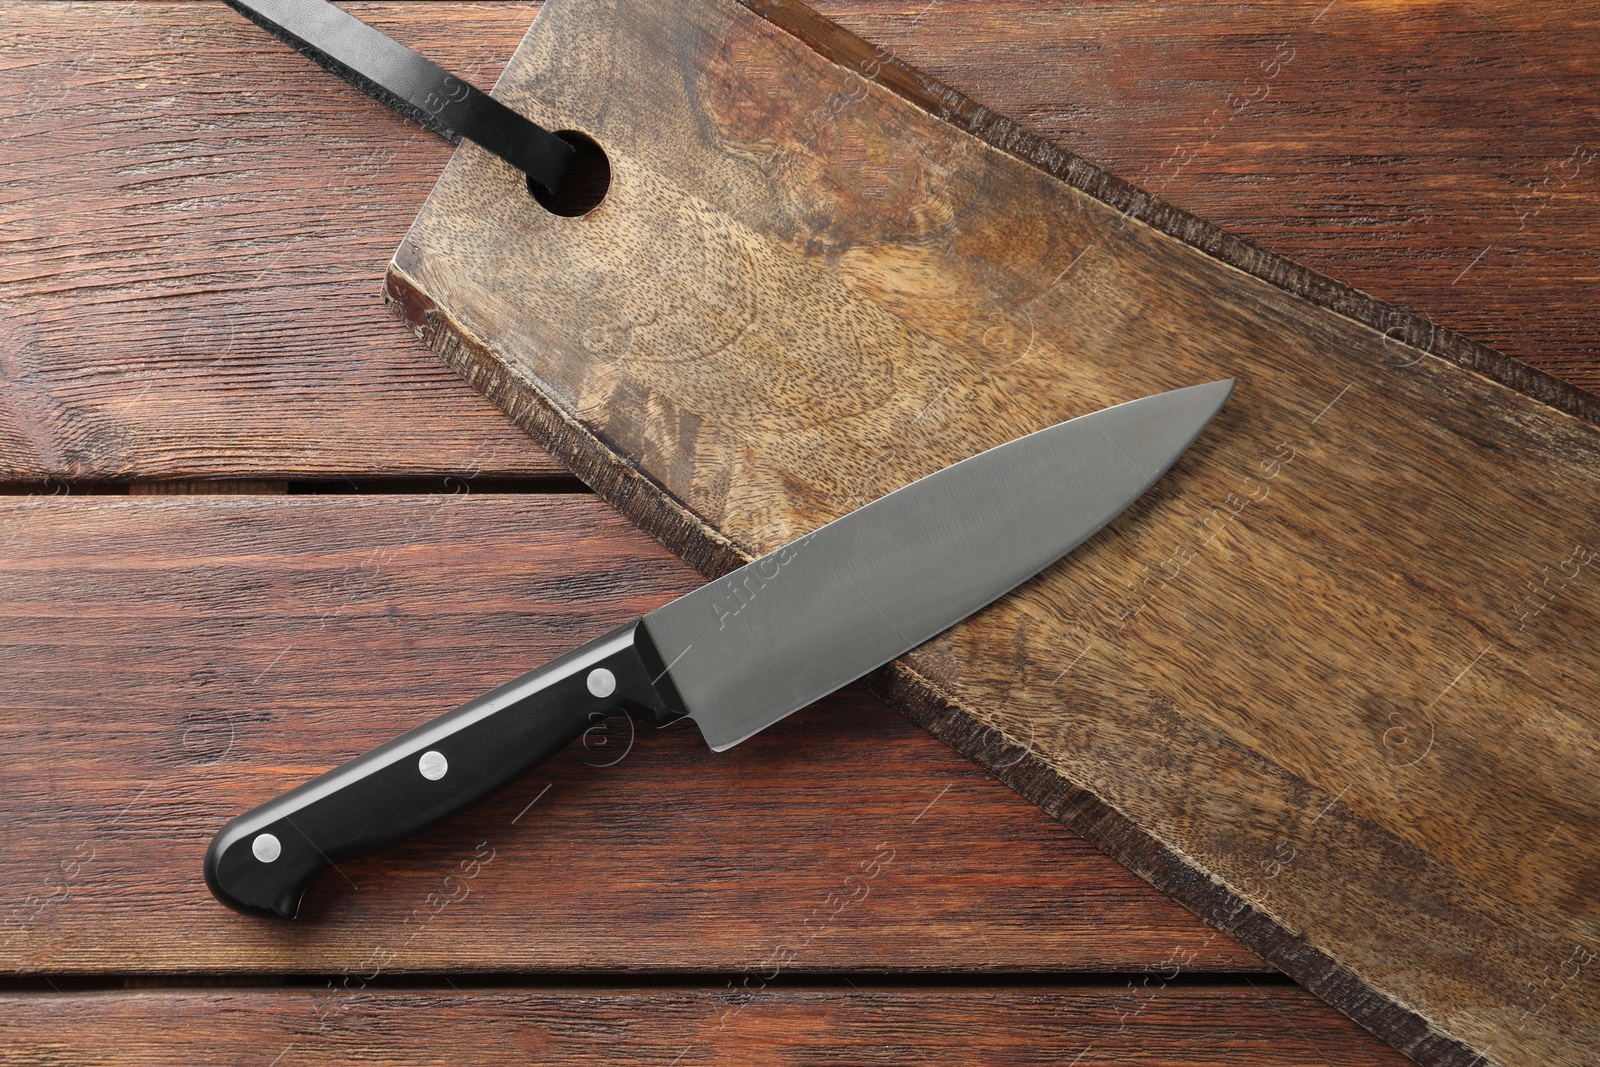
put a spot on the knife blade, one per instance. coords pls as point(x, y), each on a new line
point(741, 652)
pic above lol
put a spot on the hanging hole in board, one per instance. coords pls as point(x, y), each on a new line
point(588, 178)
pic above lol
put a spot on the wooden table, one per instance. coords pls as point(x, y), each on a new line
point(251, 527)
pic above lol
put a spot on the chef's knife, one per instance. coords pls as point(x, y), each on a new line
point(742, 652)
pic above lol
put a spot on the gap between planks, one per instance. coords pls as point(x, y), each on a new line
point(343, 485)
point(662, 980)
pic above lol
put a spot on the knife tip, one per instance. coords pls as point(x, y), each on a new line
point(1207, 397)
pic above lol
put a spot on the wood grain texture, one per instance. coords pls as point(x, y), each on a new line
point(172, 661)
point(195, 219)
point(1177, 1027)
point(1328, 684)
point(195, 222)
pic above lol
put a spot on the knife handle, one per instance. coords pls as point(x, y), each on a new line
point(262, 861)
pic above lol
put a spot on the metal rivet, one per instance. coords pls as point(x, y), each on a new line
point(602, 683)
point(433, 765)
point(266, 848)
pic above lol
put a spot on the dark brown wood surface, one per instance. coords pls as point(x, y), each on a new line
point(172, 660)
point(819, 275)
point(1285, 1027)
point(194, 226)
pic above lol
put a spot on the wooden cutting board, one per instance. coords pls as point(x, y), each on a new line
point(1329, 684)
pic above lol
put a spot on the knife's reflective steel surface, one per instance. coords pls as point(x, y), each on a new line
point(782, 631)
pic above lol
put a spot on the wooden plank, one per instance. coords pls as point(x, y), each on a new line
point(172, 661)
point(1290, 686)
point(1153, 1026)
point(196, 220)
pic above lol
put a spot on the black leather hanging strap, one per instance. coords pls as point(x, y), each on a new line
point(419, 89)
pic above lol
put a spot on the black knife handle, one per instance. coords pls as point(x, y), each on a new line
point(262, 861)
point(418, 88)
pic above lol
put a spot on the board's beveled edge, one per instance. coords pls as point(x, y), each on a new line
point(949, 105)
point(924, 703)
